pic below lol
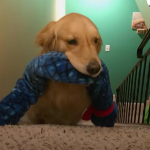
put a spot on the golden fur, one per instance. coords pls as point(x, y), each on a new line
point(65, 103)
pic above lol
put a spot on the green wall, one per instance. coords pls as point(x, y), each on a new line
point(20, 20)
point(113, 19)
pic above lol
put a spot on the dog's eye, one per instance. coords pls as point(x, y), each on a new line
point(72, 42)
point(96, 40)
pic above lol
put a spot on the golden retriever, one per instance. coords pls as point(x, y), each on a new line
point(78, 37)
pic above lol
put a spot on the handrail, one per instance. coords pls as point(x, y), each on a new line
point(142, 45)
point(133, 93)
point(137, 64)
point(139, 54)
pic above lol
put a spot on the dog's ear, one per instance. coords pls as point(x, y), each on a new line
point(45, 37)
point(99, 44)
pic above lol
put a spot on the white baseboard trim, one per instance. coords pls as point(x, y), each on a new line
point(114, 97)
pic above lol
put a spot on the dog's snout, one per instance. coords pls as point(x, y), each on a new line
point(93, 67)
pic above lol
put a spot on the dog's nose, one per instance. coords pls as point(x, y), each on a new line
point(93, 67)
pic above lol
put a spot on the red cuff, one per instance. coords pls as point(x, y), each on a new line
point(87, 114)
point(104, 112)
point(91, 110)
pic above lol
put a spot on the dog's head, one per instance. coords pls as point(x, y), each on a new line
point(78, 38)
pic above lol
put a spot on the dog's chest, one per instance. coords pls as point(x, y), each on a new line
point(64, 103)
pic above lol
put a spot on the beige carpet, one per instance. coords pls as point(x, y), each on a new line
point(84, 137)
